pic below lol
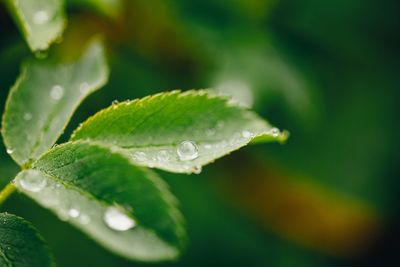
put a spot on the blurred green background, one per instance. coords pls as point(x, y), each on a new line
point(325, 70)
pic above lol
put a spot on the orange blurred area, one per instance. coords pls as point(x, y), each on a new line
point(298, 209)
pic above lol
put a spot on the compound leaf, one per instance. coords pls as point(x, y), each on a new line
point(177, 132)
point(126, 208)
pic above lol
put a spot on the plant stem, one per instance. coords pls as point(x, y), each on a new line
point(6, 192)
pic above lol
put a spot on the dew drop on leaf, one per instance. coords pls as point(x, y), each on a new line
point(197, 169)
point(10, 151)
point(117, 220)
point(73, 213)
point(57, 92)
point(187, 150)
point(274, 132)
point(32, 181)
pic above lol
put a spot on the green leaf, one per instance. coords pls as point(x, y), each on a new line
point(83, 182)
point(43, 99)
point(21, 245)
point(41, 21)
point(178, 132)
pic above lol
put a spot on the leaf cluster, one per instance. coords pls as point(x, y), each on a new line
point(101, 180)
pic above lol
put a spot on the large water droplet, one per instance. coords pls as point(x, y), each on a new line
point(41, 17)
point(57, 92)
point(117, 220)
point(187, 150)
point(27, 116)
point(10, 151)
point(32, 181)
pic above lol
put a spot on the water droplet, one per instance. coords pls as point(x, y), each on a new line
point(115, 102)
point(139, 156)
point(247, 134)
point(187, 150)
point(57, 92)
point(10, 151)
point(41, 17)
point(117, 220)
point(27, 116)
point(163, 156)
point(84, 88)
point(197, 169)
point(274, 132)
point(73, 213)
point(207, 146)
point(32, 181)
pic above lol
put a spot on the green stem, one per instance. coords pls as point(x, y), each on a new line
point(6, 192)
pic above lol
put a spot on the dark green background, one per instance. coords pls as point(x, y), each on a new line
point(325, 70)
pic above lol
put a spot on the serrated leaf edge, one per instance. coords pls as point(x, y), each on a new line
point(211, 94)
